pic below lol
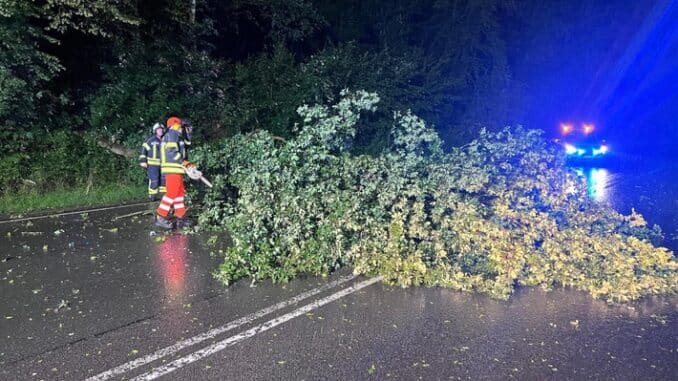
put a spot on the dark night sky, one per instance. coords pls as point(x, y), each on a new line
point(618, 70)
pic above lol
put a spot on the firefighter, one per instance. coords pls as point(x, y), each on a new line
point(150, 160)
point(173, 159)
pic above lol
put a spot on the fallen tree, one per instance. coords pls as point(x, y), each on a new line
point(500, 212)
point(110, 146)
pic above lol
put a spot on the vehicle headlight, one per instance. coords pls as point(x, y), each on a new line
point(600, 151)
point(570, 149)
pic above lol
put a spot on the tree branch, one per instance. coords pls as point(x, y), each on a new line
point(274, 137)
point(115, 148)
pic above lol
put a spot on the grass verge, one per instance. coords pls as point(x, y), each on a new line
point(71, 197)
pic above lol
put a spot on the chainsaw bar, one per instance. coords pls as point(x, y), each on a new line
point(195, 174)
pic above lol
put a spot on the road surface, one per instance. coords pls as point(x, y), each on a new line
point(88, 297)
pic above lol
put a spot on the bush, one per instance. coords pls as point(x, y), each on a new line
point(500, 212)
point(61, 159)
point(148, 86)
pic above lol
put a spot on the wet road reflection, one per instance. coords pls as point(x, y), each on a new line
point(650, 188)
point(172, 266)
point(172, 257)
point(597, 181)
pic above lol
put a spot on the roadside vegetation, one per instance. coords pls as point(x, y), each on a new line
point(82, 81)
point(70, 197)
point(459, 202)
point(499, 212)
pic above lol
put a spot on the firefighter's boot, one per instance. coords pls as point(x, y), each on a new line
point(163, 223)
point(183, 223)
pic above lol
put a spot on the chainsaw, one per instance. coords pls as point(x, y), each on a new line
point(195, 174)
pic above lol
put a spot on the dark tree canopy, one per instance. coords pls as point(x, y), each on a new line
point(101, 72)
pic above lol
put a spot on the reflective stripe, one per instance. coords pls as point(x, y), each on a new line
point(172, 153)
point(172, 171)
point(164, 207)
point(179, 199)
point(172, 168)
point(148, 148)
point(167, 199)
point(154, 161)
point(179, 206)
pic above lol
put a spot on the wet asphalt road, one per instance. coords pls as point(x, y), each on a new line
point(651, 187)
point(81, 295)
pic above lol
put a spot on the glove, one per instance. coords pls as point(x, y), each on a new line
point(143, 165)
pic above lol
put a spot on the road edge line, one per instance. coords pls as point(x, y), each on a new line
point(100, 209)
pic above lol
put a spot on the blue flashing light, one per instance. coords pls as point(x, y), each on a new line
point(570, 149)
point(600, 151)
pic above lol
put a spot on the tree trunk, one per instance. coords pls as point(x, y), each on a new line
point(90, 181)
point(117, 148)
point(112, 147)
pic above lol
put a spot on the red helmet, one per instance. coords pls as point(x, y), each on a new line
point(172, 121)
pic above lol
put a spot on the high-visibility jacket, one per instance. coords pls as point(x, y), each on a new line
point(150, 151)
point(172, 152)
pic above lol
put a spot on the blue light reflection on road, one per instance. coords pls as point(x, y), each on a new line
point(597, 183)
point(650, 188)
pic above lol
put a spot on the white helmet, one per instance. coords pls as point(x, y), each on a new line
point(156, 126)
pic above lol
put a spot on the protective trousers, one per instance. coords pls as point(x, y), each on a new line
point(156, 181)
point(174, 198)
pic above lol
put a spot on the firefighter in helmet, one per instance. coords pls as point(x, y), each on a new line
point(150, 160)
point(173, 159)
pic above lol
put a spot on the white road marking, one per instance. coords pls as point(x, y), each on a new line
point(124, 368)
point(221, 345)
point(71, 213)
